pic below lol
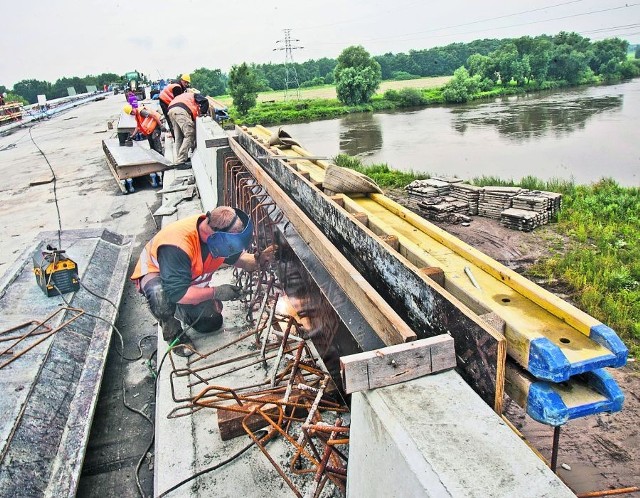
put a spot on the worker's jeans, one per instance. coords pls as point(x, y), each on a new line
point(165, 111)
point(204, 317)
point(184, 133)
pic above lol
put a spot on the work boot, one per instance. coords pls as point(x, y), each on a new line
point(184, 346)
point(184, 165)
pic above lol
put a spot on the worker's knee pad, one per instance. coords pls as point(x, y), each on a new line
point(160, 306)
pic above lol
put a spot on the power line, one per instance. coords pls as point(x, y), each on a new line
point(290, 73)
point(410, 36)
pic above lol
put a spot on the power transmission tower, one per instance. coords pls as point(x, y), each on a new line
point(290, 74)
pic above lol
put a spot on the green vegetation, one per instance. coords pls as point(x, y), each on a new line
point(209, 82)
point(357, 76)
point(379, 173)
point(595, 251)
point(542, 62)
point(243, 87)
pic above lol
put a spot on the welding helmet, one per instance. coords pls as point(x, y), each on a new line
point(223, 244)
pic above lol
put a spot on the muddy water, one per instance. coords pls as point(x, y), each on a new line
point(584, 134)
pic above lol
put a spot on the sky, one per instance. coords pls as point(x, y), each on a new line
point(47, 40)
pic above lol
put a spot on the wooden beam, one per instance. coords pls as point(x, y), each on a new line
point(216, 142)
point(379, 314)
point(426, 307)
point(392, 241)
point(395, 364)
point(434, 273)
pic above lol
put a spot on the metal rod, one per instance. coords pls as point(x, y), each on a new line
point(554, 448)
point(609, 492)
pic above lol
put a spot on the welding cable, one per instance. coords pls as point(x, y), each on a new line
point(121, 353)
point(214, 467)
point(55, 192)
point(124, 390)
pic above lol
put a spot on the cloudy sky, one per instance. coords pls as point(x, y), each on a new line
point(46, 39)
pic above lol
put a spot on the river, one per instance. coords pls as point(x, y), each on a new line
point(582, 134)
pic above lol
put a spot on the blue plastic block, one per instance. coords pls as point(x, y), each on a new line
point(545, 404)
point(607, 337)
point(548, 362)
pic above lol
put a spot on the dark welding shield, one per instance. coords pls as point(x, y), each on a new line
point(223, 244)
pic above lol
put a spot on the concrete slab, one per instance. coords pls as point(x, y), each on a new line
point(50, 392)
point(434, 436)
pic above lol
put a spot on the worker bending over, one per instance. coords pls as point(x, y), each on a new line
point(183, 111)
point(176, 266)
point(149, 124)
point(170, 92)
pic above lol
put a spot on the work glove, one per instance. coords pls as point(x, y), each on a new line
point(227, 292)
point(267, 256)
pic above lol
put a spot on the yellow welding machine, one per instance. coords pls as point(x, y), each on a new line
point(55, 272)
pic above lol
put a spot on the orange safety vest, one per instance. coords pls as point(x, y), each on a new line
point(148, 124)
point(184, 235)
point(166, 95)
point(186, 101)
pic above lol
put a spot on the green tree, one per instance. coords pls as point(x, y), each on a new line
point(483, 66)
point(30, 89)
point(209, 82)
point(608, 55)
point(461, 87)
point(357, 76)
point(243, 87)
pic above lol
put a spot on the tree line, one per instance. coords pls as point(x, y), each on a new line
point(28, 90)
point(568, 58)
point(542, 62)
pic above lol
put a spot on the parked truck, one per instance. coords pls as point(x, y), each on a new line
point(135, 83)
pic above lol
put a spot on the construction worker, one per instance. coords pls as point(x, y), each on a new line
point(183, 111)
point(176, 266)
point(170, 92)
point(149, 124)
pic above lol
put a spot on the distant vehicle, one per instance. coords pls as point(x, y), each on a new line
point(135, 83)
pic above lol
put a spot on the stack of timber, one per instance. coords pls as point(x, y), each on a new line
point(555, 344)
point(548, 203)
point(494, 200)
point(522, 219)
point(468, 193)
point(445, 209)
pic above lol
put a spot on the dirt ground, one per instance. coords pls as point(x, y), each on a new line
point(601, 452)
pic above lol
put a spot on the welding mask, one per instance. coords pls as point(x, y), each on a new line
point(223, 244)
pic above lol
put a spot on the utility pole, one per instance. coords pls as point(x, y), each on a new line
point(290, 74)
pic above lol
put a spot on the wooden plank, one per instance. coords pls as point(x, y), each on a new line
point(426, 307)
point(216, 142)
point(362, 218)
point(382, 318)
point(434, 273)
point(392, 241)
point(395, 364)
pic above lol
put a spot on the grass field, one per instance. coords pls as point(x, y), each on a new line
point(329, 91)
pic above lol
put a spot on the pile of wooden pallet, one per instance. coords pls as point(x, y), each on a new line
point(468, 193)
point(494, 200)
point(452, 200)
